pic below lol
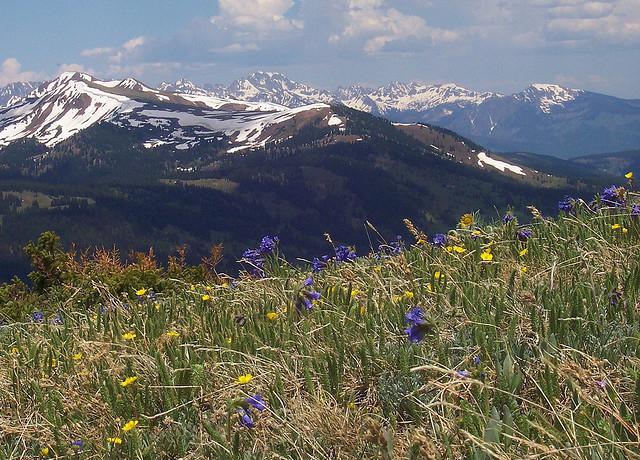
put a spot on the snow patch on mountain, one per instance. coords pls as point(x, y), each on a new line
point(502, 166)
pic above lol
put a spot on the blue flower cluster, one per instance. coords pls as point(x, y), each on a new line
point(613, 196)
point(440, 239)
point(255, 258)
point(418, 325)
point(256, 402)
point(307, 296)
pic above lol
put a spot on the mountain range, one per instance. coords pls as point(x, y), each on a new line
point(543, 118)
point(14, 92)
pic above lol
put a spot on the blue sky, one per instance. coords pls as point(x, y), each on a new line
point(498, 45)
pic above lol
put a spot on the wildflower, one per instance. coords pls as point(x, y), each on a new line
point(318, 264)
point(629, 175)
point(408, 294)
point(354, 293)
point(466, 220)
point(616, 227)
point(268, 244)
point(351, 405)
point(173, 334)
point(398, 245)
point(438, 275)
point(459, 249)
point(77, 356)
point(37, 317)
point(128, 381)
point(524, 252)
point(308, 281)
point(486, 255)
point(567, 204)
point(613, 195)
point(254, 258)
point(78, 444)
point(601, 384)
point(57, 319)
point(228, 340)
point(257, 402)
point(206, 298)
point(44, 452)
point(130, 425)
point(635, 210)
point(476, 234)
point(245, 418)
point(141, 292)
point(440, 239)
point(418, 325)
point(15, 350)
point(476, 360)
point(524, 234)
point(429, 287)
point(244, 379)
point(115, 441)
point(507, 218)
point(54, 362)
point(129, 336)
point(463, 373)
point(523, 269)
point(272, 316)
point(345, 254)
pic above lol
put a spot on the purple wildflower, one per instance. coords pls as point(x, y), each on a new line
point(78, 444)
point(306, 300)
point(418, 325)
point(345, 254)
point(245, 418)
point(463, 373)
point(257, 402)
point(524, 234)
point(268, 244)
point(613, 195)
point(440, 239)
point(476, 360)
point(319, 264)
point(397, 245)
point(601, 384)
point(507, 218)
point(37, 316)
point(567, 204)
point(308, 281)
point(635, 210)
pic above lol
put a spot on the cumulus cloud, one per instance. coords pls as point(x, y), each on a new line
point(11, 71)
point(256, 15)
point(381, 27)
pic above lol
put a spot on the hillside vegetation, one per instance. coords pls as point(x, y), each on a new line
point(495, 340)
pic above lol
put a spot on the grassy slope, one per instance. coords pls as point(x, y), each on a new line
point(558, 347)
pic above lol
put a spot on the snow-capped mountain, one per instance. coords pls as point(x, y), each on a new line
point(14, 92)
point(543, 118)
point(75, 101)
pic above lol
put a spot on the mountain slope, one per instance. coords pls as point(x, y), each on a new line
point(74, 101)
point(14, 92)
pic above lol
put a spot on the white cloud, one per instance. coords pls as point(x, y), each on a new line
point(256, 15)
point(134, 43)
point(11, 71)
point(380, 27)
point(236, 48)
point(93, 52)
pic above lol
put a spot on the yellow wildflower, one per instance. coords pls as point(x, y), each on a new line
point(523, 269)
point(229, 340)
point(354, 293)
point(44, 451)
point(77, 356)
point(616, 227)
point(408, 294)
point(376, 269)
point(128, 381)
point(486, 256)
point(225, 284)
point(396, 298)
point(438, 275)
point(421, 241)
point(466, 220)
point(629, 175)
point(129, 336)
point(625, 230)
point(272, 316)
point(244, 379)
point(54, 362)
point(363, 310)
point(115, 441)
point(208, 288)
point(351, 405)
point(476, 233)
point(524, 252)
point(141, 292)
point(156, 306)
point(15, 350)
point(206, 297)
point(173, 334)
point(429, 287)
point(130, 425)
point(459, 249)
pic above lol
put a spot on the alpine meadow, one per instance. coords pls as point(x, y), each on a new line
point(320, 230)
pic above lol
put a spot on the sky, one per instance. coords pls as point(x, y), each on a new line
point(486, 45)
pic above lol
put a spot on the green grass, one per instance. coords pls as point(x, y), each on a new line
point(556, 330)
